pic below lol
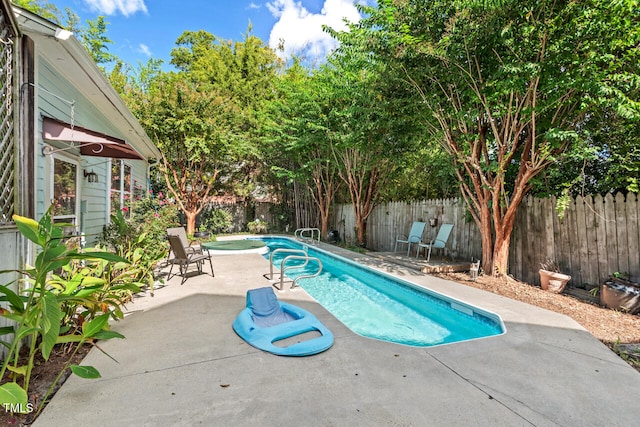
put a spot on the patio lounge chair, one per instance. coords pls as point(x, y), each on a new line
point(415, 236)
point(190, 247)
point(185, 259)
point(265, 320)
point(438, 242)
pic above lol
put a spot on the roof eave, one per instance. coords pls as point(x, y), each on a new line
point(98, 90)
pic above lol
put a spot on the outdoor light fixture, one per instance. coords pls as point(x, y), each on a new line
point(63, 34)
point(91, 176)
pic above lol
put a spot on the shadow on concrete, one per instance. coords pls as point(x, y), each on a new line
point(182, 364)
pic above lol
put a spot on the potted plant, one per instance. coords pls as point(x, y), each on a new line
point(550, 277)
point(620, 293)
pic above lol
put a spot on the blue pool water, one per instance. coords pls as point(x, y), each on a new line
point(380, 306)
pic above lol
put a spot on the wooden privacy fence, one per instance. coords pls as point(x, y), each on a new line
point(391, 219)
point(596, 237)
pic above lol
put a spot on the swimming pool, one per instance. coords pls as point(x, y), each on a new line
point(380, 306)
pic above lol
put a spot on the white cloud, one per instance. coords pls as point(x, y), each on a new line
point(112, 7)
point(253, 5)
point(301, 30)
point(144, 49)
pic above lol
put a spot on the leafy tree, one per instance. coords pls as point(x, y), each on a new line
point(95, 40)
point(202, 118)
point(242, 70)
point(426, 172)
point(42, 8)
point(72, 21)
point(296, 138)
point(370, 132)
point(196, 132)
point(119, 78)
point(608, 161)
point(506, 89)
point(93, 36)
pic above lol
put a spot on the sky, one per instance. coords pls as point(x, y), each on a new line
point(144, 29)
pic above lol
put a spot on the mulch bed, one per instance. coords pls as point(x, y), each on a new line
point(618, 330)
point(43, 375)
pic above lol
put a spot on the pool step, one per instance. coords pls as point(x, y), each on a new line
point(435, 265)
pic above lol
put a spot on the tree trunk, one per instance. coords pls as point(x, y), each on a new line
point(503, 232)
point(323, 197)
point(487, 241)
point(501, 252)
point(324, 222)
point(361, 231)
point(191, 221)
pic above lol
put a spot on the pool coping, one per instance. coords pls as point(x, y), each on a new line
point(350, 257)
point(181, 364)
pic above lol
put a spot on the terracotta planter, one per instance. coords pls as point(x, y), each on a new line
point(552, 281)
point(621, 294)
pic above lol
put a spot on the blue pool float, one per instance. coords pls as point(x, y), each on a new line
point(266, 320)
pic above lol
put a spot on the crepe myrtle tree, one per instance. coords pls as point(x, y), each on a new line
point(204, 118)
point(368, 134)
point(194, 130)
point(295, 139)
point(506, 88)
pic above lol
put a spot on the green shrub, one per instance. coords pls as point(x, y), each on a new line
point(283, 216)
point(217, 221)
point(60, 305)
point(257, 226)
point(150, 214)
point(140, 239)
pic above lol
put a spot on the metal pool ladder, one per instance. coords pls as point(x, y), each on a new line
point(297, 254)
point(301, 233)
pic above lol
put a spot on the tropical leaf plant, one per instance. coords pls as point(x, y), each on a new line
point(46, 299)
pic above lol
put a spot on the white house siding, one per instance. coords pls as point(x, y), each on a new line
point(97, 195)
point(94, 196)
point(40, 175)
point(139, 173)
point(10, 242)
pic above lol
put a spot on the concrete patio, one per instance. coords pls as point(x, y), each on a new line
point(181, 364)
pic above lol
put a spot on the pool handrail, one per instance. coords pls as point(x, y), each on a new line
point(304, 276)
point(280, 250)
point(452, 304)
point(299, 233)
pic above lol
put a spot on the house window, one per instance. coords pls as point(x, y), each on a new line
point(65, 191)
point(121, 187)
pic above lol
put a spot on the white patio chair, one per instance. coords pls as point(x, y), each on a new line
point(438, 242)
point(415, 236)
